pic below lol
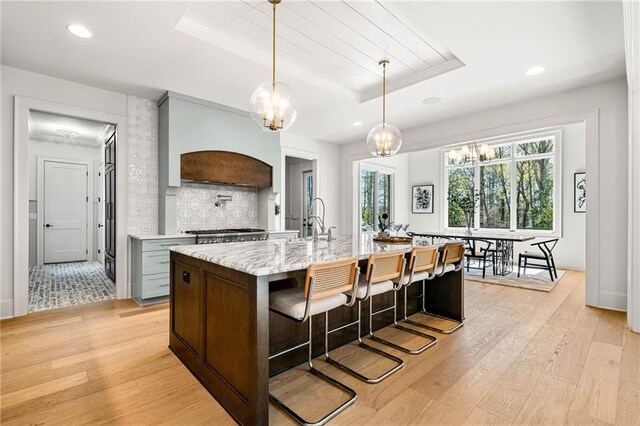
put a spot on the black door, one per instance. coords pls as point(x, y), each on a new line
point(110, 207)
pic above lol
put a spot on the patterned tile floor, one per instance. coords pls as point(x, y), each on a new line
point(68, 284)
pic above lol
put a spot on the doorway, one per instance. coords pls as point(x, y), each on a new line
point(66, 199)
point(300, 189)
point(66, 187)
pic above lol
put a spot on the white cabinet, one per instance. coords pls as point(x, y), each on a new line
point(150, 267)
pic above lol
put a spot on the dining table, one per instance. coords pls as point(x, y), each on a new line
point(504, 244)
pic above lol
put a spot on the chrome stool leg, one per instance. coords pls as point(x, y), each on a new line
point(377, 379)
point(352, 394)
point(431, 340)
point(424, 311)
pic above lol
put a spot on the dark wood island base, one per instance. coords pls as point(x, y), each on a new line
point(223, 332)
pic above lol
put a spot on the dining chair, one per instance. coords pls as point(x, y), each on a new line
point(546, 253)
point(481, 254)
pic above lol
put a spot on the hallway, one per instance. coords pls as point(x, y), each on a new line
point(61, 285)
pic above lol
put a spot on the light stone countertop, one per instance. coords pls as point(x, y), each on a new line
point(161, 237)
point(261, 258)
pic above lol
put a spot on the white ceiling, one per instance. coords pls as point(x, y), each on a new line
point(44, 126)
point(340, 44)
point(137, 49)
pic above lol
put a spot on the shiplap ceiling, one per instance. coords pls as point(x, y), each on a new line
point(44, 127)
point(334, 45)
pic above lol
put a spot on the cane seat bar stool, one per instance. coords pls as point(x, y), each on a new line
point(423, 262)
point(481, 254)
point(381, 269)
point(451, 260)
point(324, 289)
point(546, 254)
point(385, 272)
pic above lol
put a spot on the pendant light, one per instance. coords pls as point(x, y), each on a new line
point(384, 140)
point(273, 105)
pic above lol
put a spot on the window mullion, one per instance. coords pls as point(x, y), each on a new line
point(514, 191)
point(476, 184)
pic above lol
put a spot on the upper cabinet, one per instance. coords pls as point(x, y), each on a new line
point(188, 124)
point(225, 167)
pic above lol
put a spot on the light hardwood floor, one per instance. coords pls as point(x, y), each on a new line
point(523, 357)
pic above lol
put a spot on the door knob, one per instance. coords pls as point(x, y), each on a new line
point(49, 225)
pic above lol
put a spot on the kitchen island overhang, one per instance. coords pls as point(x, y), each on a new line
point(221, 328)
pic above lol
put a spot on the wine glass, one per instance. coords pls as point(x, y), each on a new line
point(397, 227)
point(404, 229)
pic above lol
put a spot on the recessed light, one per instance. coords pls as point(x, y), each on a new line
point(534, 71)
point(79, 30)
point(432, 100)
point(357, 123)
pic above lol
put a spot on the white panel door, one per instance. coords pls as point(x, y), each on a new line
point(65, 212)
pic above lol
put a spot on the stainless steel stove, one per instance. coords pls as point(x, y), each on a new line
point(216, 236)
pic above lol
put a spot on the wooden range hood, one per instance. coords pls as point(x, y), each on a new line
point(225, 167)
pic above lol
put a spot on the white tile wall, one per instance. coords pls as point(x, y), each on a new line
point(142, 200)
point(196, 207)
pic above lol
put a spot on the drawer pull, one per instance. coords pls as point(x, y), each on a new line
point(186, 277)
point(168, 244)
point(164, 285)
point(165, 262)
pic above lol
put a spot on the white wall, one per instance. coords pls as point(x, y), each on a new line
point(328, 177)
point(609, 211)
point(425, 167)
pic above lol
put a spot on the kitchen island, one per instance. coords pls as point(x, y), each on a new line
point(221, 328)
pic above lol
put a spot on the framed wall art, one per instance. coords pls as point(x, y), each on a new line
point(422, 199)
point(579, 192)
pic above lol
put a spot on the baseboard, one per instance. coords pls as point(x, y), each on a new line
point(6, 309)
point(613, 301)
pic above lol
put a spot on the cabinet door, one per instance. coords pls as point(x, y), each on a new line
point(109, 214)
point(110, 267)
point(110, 206)
point(186, 294)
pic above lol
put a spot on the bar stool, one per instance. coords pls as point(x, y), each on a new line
point(382, 267)
point(384, 261)
point(324, 290)
point(423, 262)
point(452, 260)
point(424, 267)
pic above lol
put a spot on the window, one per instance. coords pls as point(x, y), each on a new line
point(517, 190)
point(376, 197)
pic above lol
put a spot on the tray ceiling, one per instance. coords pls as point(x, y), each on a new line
point(333, 45)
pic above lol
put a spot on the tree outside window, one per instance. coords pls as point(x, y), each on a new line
point(516, 188)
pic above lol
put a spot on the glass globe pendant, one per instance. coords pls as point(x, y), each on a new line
point(273, 105)
point(384, 140)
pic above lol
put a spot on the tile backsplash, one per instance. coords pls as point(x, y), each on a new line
point(196, 207)
point(142, 151)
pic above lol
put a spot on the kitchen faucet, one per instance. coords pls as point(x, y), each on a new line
point(319, 221)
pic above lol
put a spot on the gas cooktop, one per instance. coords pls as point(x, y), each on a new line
point(224, 231)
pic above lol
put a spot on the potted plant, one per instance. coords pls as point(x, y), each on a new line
point(383, 225)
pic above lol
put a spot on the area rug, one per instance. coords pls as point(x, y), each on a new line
point(68, 284)
point(533, 280)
